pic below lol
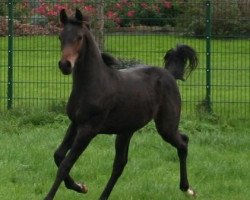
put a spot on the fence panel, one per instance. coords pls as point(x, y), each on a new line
point(134, 31)
point(231, 58)
point(3, 54)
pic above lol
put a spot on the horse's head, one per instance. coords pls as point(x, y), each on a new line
point(72, 39)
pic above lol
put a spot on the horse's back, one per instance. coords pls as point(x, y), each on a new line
point(155, 80)
point(167, 97)
point(142, 91)
point(155, 77)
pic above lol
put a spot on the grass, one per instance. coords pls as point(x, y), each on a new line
point(218, 160)
point(38, 82)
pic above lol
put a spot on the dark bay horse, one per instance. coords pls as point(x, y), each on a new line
point(108, 101)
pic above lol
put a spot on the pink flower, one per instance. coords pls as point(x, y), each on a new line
point(124, 1)
point(89, 8)
point(117, 20)
point(118, 6)
point(58, 7)
point(167, 4)
point(131, 13)
point(77, 1)
point(52, 13)
point(41, 10)
point(144, 5)
point(111, 15)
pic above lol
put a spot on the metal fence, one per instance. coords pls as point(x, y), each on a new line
point(134, 31)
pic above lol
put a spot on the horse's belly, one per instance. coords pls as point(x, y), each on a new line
point(127, 120)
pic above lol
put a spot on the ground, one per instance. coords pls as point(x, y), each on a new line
point(218, 161)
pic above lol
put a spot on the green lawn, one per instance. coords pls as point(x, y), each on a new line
point(38, 82)
point(219, 145)
point(218, 160)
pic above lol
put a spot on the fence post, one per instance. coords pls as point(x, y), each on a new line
point(208, 56)
point(99, 29)
point(10, 55)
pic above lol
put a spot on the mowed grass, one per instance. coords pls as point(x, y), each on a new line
point(38, 82)
point(218, 155)
point(218, 161)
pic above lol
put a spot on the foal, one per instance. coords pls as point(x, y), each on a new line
point(108, 101)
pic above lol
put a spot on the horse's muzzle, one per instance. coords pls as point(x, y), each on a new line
point(65, 67)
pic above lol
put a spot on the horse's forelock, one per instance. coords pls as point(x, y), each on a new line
point(74, 21)
point(77, 22)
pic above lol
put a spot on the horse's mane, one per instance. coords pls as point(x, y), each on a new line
point(109, 60)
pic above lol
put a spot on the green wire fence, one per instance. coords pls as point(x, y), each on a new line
point(139, 31)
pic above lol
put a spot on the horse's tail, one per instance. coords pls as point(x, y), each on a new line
point(176, 61)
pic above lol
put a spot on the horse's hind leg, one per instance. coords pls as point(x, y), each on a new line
point(59, 155)
point(121, 156)
point(168, 129)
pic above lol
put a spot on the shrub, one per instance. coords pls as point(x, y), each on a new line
point(3, 9)
point(142, 12)
point(121, 12)
point(38, 20)
point(127, 63)
point(226, 19)
point(191, 21)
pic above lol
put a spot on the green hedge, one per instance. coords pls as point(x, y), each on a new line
point(227, 18)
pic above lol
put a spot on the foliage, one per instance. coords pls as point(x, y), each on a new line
point(127, 63)
point(187, 16)
point(142, 12)
point(21, 11)
point(227, 20)
point(121, 12)
point(161, 13)
point(3, 9)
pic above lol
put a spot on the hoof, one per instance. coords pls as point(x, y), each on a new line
point(191, 192)
point(83, 187)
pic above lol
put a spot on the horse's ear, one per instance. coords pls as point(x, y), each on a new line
point(79, 15)
point(82, 18)
point(86, 21)
point(63, 16)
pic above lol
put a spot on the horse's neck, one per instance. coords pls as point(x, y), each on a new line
point(90, 67)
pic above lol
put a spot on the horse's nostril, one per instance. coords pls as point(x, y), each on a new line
point(68, 63)
point(65, 67)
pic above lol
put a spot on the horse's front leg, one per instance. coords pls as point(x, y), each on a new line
point(60, 153)
point(82, 139)
point(121, 147)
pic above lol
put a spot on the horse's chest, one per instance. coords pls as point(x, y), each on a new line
point(81, 110)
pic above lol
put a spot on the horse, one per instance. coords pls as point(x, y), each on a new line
point(105, 100)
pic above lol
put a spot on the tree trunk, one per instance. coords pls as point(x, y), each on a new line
point(99, 25)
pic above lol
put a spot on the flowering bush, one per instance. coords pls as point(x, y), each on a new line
point(120, 12)
point(144, 12)
point(187, 16)
point(52, 10)
point(227, 19)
